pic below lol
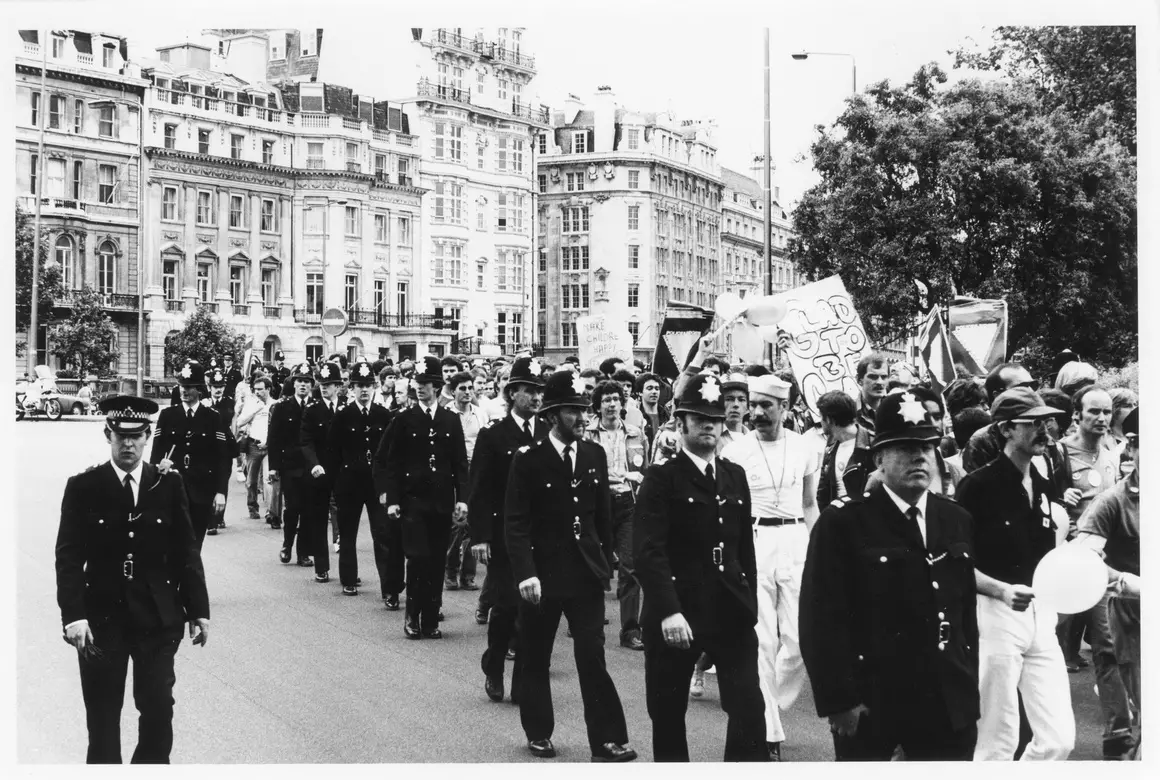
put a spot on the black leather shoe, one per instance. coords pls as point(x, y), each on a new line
point(324, 577)
point(632, 642)
point(450, 584)
point(542, 748)
point(439, 617)
point(305, 561)
point(612, 753)
point(481, 616)
point(774, 749)
point(284, 556)
point(433, 634)
point(510, 655)
point(411, 627)
point(468, 585)
point(212, 531)
point(349, 590)
point(493, 687)
point(391, 602)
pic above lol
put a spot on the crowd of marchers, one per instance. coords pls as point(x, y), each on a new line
point(881, 550)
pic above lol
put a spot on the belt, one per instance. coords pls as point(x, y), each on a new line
point(777, 521)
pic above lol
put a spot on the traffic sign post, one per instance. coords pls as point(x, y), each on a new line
point(334, 324)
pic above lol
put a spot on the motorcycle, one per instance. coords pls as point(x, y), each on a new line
point(39, 397)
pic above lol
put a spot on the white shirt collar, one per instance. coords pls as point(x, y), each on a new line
point(135, 472)
point(520, 421)
point(701, 463)
point(429, 409)
point(559, 445)
point(903, 507)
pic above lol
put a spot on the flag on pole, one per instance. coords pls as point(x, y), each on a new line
point(249, 359)
point(977, 333)
point(936, 352)
point(677, 343)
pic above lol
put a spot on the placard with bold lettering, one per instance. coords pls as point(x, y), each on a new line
point(599, 338)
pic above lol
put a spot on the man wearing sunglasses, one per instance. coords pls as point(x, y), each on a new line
point(986, 443)
point(1014, 527)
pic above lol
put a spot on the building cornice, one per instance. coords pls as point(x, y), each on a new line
point(642, 159)
point(88, 78)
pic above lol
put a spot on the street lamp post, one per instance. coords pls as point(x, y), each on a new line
point(803, 55)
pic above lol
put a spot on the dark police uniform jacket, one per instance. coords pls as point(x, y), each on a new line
point(491, 462)
point(313, 435)
point(233, 378)
point(283, 442)
point(422, 466)
point(887, 622)
point(278, 377)
point(98, 548)
point(351, 445)
point(200, 450)
point(225, 408)
point(693, 546)
point(558, 526)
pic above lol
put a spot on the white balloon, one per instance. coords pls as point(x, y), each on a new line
point(747, 343)
point(1070, 579)
point(764, 310)
point(728, 306)
point(769, 333)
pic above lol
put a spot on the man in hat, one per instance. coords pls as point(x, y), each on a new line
point(1015, 525)
point(1111, 526)
point(421, 478)
point(191, 439)
point(781, 469)
point(232, 374)
point(888, 626)
point(693, 547)
point(558, 529)
point(318, 486)
point(222, 405)
point(735, 394)
point(355, 433)
point(278, 375)
point(494, 450)
point(288, 464)
point(128, 577)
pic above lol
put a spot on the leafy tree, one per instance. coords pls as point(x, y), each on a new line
point(1077, 68)
point(84, 340)
point(49, 279)
point(977, 189)
point(204, 336)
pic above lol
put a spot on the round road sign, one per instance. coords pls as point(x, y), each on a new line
point(334, 322)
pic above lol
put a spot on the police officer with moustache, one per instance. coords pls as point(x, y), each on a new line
point(128, 577)
point(191, 439)
point(279, 374)
point(693, 546)
point(355, 433)
point(888, 626)
point(421, 478)
point(288, 463)
point(558, 528)
point(223, 405)
point(317, 486)
point(494, 450)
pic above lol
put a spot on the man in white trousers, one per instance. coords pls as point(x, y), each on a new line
point(1014, 527)
point(783, 481)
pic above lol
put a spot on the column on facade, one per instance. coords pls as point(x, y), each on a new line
point(189, 266)
point(151, 244)
point(254, 298)
point(285, 252)
point(222, 295)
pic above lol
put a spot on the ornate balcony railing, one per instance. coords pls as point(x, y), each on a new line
point(307, 317)
point(443, 91)
point(241, 310)
point(515, 58)
point(118, 301)
point(453, 39)
point(172, 305)
point(272, 312)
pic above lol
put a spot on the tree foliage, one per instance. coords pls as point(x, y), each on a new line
point(980, 189)
point(49, 280)
point(1080, 69)
point(85, 339)
point(204, 336)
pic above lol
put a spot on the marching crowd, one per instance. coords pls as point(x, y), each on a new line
point(881, 552)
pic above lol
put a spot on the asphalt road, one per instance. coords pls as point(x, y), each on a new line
point(294, 672)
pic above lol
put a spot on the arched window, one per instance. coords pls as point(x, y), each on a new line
point(314, 348)
point(106, 268)
point(66, 259)
point(354, 348)
point(271, 345)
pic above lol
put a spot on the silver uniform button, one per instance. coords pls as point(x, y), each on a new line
point(130, 534)
point(942, 616)
point(934, 585)
point(883, 559)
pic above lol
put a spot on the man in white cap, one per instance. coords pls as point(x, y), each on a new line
point(782, 474)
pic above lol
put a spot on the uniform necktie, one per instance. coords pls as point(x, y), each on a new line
point(431, 413)
point(528, 428)
point(364, 412)
point(568, 457)
point(912, 515)
point(128, 483)
point(709, 471)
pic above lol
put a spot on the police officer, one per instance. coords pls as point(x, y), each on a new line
point(693, 547)
point(233, 376)
point(558, 529)
point(278, 374)
point(421, 478)
point(317, 487)
point(888, 627)
point(191, 439)
point(494, 449)
point(355, 433)
point(288, 464)
point(128, 577)
point(225, 407)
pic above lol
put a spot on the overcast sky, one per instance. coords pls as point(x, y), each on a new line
point(701, 60)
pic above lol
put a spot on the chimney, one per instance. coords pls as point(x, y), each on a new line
point(604, 118)
point(571, 108)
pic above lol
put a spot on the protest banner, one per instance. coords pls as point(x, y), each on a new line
point(599, 339)
point(826, 338)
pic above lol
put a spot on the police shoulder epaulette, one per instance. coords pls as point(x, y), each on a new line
point(221, 435)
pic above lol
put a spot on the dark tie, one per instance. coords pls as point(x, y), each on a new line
point(128, 490)
point(365, 413)
point(568, 457)
point(709, 472)
point(912, 515)
point(431, 413)
point(528, 428)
